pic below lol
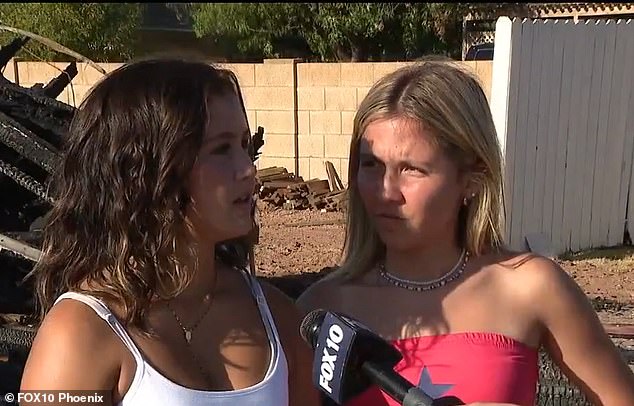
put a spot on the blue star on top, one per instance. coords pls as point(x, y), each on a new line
point(433, 390)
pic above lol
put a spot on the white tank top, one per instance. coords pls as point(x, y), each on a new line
point(149, 387)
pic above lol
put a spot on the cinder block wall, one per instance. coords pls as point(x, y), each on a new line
point(313, 103)
point(31, 73)
point(328, 95)
point(268, 90)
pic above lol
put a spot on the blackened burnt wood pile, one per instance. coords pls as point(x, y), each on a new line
point(32, 126)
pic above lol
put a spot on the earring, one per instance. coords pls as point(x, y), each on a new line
point(465, 202)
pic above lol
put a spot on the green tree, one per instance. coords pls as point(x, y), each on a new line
point(333, 31)
point(100, 31)
point(258, 30)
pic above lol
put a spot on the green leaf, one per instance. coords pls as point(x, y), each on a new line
point(100, 31)
point(332, 31)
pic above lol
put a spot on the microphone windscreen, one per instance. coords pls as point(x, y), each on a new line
point(310, 326)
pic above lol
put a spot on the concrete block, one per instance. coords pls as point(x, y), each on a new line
point(40, 72)
point(276, 122)
point(268, 98)
point(469, 66)
point(318, 74)
point(311, 146)
point(284, 162)
point(361, 93)
point(244, 71)
point(9, 71)
point(347, 122)
point(110, 66)
point(317, 168)
point(344, 164)
point(484, 71)
point(63, 97)
point(278, 145)
point(383, 68)
point(304, 168)
point(253, 124)
point(303, 122)
point(325, 122)
point(310, 98)
point(66, 96)
point(357, 73)
point(276, 74)
point(341, 98)
point(89, 76)
point(337, 146)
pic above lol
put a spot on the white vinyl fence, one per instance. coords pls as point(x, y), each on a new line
point(562, 99)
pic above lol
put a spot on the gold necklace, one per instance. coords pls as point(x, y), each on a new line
point(187, 332)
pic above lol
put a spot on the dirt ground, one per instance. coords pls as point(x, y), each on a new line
point(299, 242)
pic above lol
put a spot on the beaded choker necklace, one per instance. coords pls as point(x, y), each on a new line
point(452, 275)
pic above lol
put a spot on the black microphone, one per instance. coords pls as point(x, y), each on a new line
point(349, 358)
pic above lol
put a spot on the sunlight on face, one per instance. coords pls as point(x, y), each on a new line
point(409, 187)
point(222, 180)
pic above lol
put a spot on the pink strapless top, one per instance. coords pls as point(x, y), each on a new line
point(473, 367)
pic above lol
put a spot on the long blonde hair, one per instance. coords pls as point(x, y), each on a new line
point(448, 100)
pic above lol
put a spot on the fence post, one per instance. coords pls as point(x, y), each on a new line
point(500, 82)
point(500, 103)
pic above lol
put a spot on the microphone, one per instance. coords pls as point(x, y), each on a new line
point(349, 358)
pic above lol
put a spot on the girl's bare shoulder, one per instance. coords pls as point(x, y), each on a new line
point(322, 293)
point(65, 345)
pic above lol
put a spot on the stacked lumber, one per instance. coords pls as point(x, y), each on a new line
point(280, 188)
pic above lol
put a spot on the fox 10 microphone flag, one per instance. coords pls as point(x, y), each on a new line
point(332, 350)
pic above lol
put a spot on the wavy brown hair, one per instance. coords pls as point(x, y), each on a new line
point(117, 229)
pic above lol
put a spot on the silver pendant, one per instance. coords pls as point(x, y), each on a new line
point(188, 336)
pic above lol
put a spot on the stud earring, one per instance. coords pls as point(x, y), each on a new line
point(465, 201)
